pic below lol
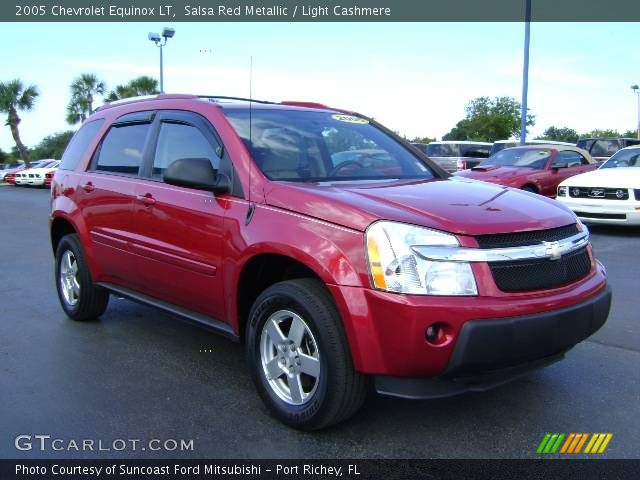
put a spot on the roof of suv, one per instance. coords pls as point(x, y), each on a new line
point(225, 102)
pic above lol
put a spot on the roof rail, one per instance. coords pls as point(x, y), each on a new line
point(242, 99)
point(159, 96)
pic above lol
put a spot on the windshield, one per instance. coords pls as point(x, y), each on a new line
point(519, 157)
point(624, 158)
point(309, 146)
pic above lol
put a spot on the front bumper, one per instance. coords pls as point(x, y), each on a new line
point(606, 212)
point(386, 331)
point(491, 352)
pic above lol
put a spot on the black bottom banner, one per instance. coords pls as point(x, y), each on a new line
point(319, 469)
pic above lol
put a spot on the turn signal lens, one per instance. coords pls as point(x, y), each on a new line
point(375, 264)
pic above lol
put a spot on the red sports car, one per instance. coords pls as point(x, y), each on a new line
point(535, 168)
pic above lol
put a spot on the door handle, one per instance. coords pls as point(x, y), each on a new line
point(88, 187)
point(147, 199)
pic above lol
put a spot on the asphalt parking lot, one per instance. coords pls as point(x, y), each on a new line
point(140, 374)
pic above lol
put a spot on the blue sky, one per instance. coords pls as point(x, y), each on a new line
point(413, 77)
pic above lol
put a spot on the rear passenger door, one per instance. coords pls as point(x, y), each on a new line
point(177, 231)
point(105, 195)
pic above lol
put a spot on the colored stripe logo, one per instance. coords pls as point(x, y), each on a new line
point(574, 443)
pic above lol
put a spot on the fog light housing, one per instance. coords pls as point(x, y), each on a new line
point(438, 333)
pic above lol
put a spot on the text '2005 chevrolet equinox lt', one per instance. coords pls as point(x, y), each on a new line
point(337, 253)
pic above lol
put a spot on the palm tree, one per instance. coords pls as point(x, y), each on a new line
point(15, 97)
point(138, 86)
point(83, 90)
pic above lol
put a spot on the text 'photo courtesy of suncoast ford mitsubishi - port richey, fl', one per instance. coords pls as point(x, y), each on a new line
point(372, 246)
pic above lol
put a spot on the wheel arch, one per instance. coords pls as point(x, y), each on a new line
point(258, 273)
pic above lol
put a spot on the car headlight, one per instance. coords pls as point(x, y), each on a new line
point(562, 191)
point(395, 267)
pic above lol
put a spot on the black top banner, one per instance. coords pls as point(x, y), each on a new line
point(317, 10)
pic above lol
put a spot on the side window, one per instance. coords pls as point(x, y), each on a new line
point(122, 149)
point(79, 144)
point(604, 148)
point(176, 141)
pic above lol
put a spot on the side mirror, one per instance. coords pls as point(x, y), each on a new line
point(196, 173)
point(556, 166)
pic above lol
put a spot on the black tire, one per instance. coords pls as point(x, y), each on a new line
point(92, 300)
point(340, 390)
point(529, 188)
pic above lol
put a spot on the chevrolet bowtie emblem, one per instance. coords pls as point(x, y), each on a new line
point(552, 250)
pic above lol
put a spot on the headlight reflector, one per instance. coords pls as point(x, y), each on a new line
point(562, 191)
point(394, 266)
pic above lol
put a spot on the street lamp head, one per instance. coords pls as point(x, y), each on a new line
point(154, 37)
point(168, 32)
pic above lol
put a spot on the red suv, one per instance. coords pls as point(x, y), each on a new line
point(336, 252)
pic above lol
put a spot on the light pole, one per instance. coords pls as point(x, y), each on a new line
point(155, 38)
point(525, 75)
point(636, 89)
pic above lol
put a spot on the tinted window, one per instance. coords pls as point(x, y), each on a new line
point(474, 150)
point(624, 158)
point(321, 146)
point(122, 149)
point(520, 157)
point(442, 150)
point(177, 141)
point(79, 144)
point(604, 148)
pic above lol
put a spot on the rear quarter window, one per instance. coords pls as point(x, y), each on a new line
point(79, 144)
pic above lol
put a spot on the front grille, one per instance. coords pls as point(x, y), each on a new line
point(539, 274)
point(605, 216)
point(599, 192)
point(523, 239)
point(30, 175)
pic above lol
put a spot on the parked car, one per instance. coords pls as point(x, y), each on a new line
point(4, 173)
point(457, 155)
point(499, 145)
point(8, 166)
point(9, 175)
point(602, 148)
point(609, 195)
point(36, 176)
point(236, 216)
point(537, 169)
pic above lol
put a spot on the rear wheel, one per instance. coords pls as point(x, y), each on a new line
point(299, 356)
point(529, 188)
point(79, 297)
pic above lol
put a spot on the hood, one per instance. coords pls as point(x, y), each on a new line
point(493, 173)
point(455, 205)
point(620, 177)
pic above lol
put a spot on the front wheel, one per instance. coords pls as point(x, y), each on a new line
point(299, 356)
point(80, 298)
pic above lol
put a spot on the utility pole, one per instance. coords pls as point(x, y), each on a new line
point(525, 74)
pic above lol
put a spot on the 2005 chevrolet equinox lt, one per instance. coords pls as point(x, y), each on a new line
point(339, 255)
